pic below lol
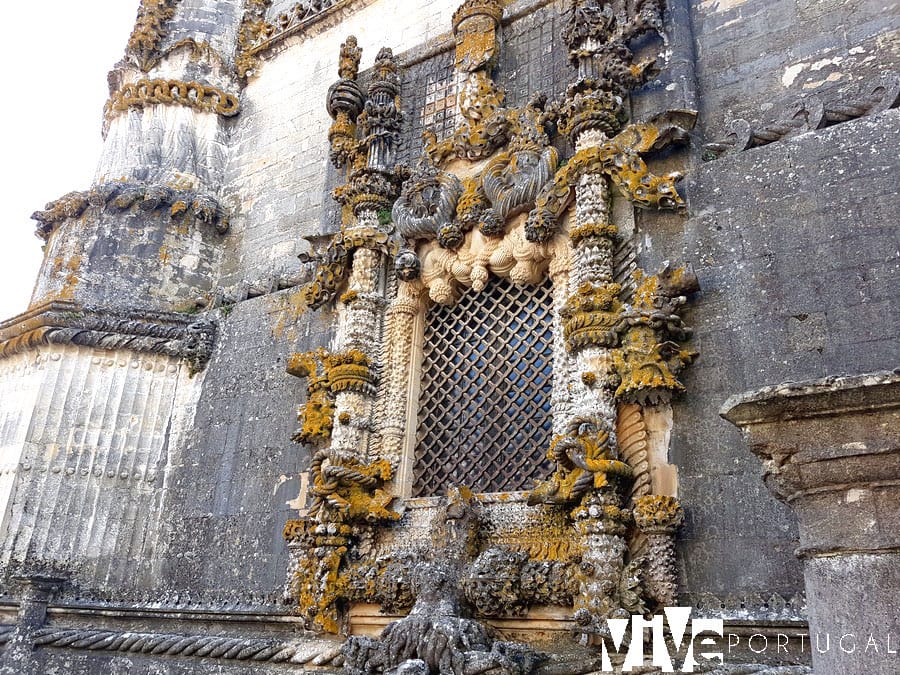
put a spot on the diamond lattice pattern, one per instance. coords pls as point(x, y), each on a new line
point(484, 410)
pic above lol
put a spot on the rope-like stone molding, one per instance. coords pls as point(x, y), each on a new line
point(201, 646)
point(807, 114)
point(196, 95)
point(64, 322)
point(122, 195)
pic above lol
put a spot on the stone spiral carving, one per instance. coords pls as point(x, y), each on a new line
point(201, 646)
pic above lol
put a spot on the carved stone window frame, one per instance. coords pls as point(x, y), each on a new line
point(494, 199)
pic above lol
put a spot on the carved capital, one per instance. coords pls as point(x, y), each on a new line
point(658, 514)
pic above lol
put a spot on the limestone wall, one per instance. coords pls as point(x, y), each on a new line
point(92, 433)
point(278, 157)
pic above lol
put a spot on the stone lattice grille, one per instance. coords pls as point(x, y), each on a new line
point(484, 411)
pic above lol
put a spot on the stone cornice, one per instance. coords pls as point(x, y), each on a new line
point(123, 195)
point(815, 398)
point(806, 114)
point(62, 322)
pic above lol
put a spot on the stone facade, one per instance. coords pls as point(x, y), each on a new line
point(157, 516)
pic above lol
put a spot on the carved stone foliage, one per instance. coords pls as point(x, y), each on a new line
point(346, 490)
point(64, 322)
point(364, 138)
point(506, 582)
point(124, 195)
point(253, 28)
point(493, 199)
point(200, 97)
point(334, 264)
point(620, 160)
point(149, 32)
point(427, 203)
point(649, 361)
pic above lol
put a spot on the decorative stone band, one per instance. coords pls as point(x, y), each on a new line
point(257, 34)
point(196, 95)
point(123, 195)
point(756, 606)
point(62, 322)
point(807, 114)
point(313, 652)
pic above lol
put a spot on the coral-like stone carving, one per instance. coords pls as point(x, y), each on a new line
point(658, 517)
point(149, 32)
point(346, 492)
point(592, 316)
point(618, 159)
point(512, 178)
point(316, 415)
point(649, 362)
point(253, 29)
point(333, 266)
point(492, 199)
point(614, 351)
point(437, 636)
point(373, 182)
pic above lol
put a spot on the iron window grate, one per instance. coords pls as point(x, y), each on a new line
point(484, 410)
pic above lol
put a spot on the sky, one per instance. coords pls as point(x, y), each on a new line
point(56, 55)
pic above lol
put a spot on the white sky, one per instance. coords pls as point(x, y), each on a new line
point(56, 55)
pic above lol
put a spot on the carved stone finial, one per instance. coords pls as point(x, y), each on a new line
point(492, 9)
point(348, 63)
point(475, 26)
point(149, 31)
point(598, 34)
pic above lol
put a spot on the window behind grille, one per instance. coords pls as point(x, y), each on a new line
point(484, 408)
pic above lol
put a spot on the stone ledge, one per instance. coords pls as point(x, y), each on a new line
point(826, 397)
point(64, 322)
